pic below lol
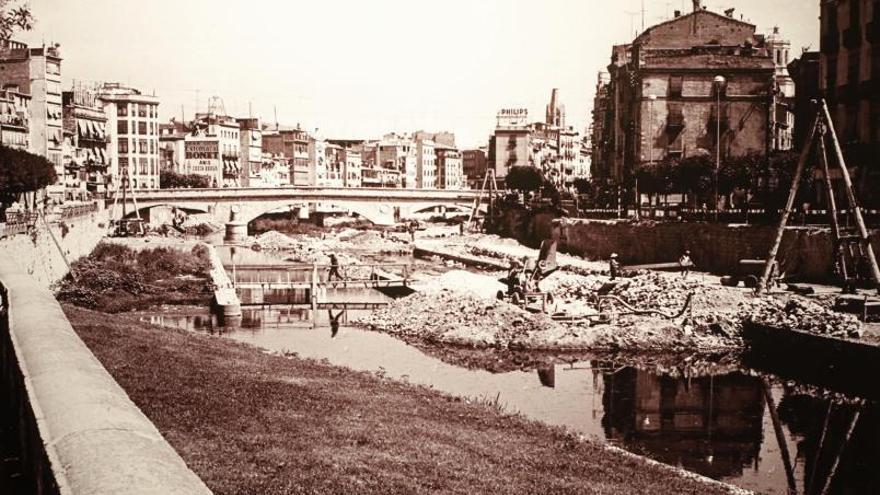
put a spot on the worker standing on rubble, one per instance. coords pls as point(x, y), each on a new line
point(614, 266)
point(685, 263)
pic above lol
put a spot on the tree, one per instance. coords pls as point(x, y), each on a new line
point(695, 175)
point(583, 186)
point(14, 15)
point(168, 179)
point(22, 172)
point(524, 178)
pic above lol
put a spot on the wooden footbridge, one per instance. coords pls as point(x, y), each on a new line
point(316, 280)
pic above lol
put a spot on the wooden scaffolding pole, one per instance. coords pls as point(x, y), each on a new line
point(792, 194)
point(851, 196)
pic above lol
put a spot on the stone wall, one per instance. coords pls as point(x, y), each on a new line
point(37, 255)
point(717, 248)
point(79, 432)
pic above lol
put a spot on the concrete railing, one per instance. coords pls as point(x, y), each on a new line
point(80, 432)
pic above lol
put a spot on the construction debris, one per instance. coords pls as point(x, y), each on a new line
point(801, 314)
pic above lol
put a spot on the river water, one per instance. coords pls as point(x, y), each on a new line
point(718, 426)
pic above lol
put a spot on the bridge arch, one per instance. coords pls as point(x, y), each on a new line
point(379, 214)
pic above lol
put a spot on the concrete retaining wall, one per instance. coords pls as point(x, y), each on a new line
point(805, 252)
point(36, 254)
point(80, 432)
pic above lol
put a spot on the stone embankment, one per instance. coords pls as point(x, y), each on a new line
point(79, 430)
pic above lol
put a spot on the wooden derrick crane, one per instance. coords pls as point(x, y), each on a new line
point(854, 257)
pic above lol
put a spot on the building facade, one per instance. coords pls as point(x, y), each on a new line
point(251, 148)
point(15, 118)
point(87, 160)
point(450, 174)
point(849, 73)
point(426, 164)
point(473, 164)
point(510, 146)
point(133, 133)
point(292, 144)
point(37, 72)
point(700, 83)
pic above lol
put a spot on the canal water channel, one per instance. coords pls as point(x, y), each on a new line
point(740, 426)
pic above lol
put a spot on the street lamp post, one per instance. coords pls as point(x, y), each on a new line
point(718, 83)
point(651, 99)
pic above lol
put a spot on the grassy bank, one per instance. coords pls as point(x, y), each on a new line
point(116, 278)
point(249, 422)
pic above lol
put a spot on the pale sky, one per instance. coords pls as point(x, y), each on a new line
point(360, 68)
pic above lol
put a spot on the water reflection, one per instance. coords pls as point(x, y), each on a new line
point(710, 425)
point(718, 426)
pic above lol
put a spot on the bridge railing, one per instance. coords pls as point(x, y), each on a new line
point(318, 273)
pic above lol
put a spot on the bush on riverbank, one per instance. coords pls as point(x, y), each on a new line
point(116, 278)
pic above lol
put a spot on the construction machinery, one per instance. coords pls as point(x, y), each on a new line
point(524, 278)
point(126, 227)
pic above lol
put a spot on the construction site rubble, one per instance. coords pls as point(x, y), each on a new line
point(800, 314)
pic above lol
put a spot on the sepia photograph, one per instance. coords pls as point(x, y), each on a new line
point(459, 247)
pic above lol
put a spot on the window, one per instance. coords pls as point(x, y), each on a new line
point(122, 110)
point(122, 127)
point(142, 165)
point(122, 145)
point(142, 110)
point(675, 86)
point(142, 128)
point(142, 146)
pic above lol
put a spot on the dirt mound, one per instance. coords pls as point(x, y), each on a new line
point(459, 318)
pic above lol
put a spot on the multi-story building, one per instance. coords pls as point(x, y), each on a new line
point(449, 168)
point(213, 149)
point(696, 84)
point(85, 122)
point(15, 118)
point(329, 163)
point(600, 127)
point(172, 146)
point(133, 133)
point(510, 145)
point(274, 171)
point(398, 153)
point(849, 80)
point(426, 164)
point(251, 147)
point(292, 144)
point(473, 163)
point(353, 163)
point(782, 116)
point(37, 71)
point(805, 74)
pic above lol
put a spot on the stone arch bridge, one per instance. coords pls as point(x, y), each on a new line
point(380, 206)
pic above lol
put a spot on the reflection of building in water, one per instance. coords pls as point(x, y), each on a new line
point(709, 425)
point(821, 443)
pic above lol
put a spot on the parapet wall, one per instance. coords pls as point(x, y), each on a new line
point(80, 432)
point(36, 254)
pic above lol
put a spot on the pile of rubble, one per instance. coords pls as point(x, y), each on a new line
point(800, 314)
point(461, 319)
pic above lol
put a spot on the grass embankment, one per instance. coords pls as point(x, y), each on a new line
point(116, 278)
point(248, 422)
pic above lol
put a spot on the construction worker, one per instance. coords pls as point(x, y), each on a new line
point(514, 277)
point(334, 269)
point(614, 266)
point(685, 263)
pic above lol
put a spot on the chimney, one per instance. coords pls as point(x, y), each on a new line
point(729, 12)
point(677, 13)
point(698, 5)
